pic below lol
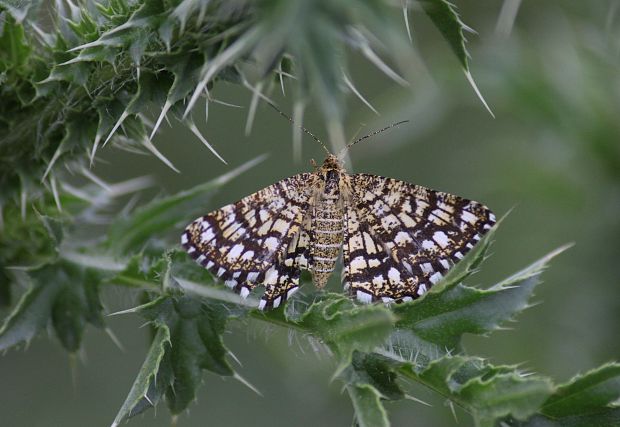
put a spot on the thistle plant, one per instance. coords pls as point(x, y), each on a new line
point(111, 72)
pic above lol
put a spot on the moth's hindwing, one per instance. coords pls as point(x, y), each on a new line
point(401, 238)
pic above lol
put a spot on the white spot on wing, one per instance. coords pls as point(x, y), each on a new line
point(364, 297)
point(394, 275)
point(435, 278)
point(234, 253)
point(207, 236)
point(441, 238)
point(244, 292)
point(357, 264)
point(428, 244)
point(444, 263)
point(220, 272)
point(421, 289)
point(276, 302)
point(271, 243)
point(426, 267)
point(402, 238)
point(468, 217)
point(271, 276)
point(261, 304)
point(184, 239)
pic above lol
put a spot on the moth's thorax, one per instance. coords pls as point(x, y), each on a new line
point(331, 174)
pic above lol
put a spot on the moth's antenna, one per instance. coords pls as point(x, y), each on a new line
point(313, 136)
point(349, 145)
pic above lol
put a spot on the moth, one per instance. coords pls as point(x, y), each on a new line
point(396, 239)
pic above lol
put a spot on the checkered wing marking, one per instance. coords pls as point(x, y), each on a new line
point(282, 279)
point(424, 231)
point(242, 242)
point(369, 271)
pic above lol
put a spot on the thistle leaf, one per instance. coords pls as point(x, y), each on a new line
point(193, 329)
point(442, 317)
point(369, 411)
point(592, 392)
point(146, 390)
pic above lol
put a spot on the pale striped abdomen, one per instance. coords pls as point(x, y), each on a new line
point(327, 235)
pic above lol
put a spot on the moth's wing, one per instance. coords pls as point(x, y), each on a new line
point(282, 278)
point(424, 231)
point(369, 272)
point(241, 242)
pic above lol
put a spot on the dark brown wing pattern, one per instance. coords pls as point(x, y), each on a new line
point(400, 238)
point(255, 240)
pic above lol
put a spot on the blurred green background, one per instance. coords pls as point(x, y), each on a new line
point(552, 155)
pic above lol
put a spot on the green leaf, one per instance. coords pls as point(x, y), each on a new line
point(605, 418)
point(374, 370)
point(129, 234)
point(14, 50)
point(446, 19)
point(61, 293)
point(442, 317)
point(146, 390)
point(141, 271)
point(194, 329)
point(488, 392)
point(346, 327)
point(369, 411)
point(30, 316)
point(594, 391)
point(503, 395)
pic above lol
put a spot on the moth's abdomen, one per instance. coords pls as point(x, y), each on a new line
point(327, 233)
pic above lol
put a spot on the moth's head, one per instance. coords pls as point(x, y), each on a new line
point(331, 162)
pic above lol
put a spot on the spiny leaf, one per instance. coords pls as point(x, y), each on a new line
point(369, 411)
point(61, 293)
point(194, 330)
point(30, 315)
point(594, 391)
point(446, 19)
point(503, 395)
point(14, 49)
point(346, 327)
point(442, 317)
point(489, 393)
point(146, 390)
point(374, 370)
